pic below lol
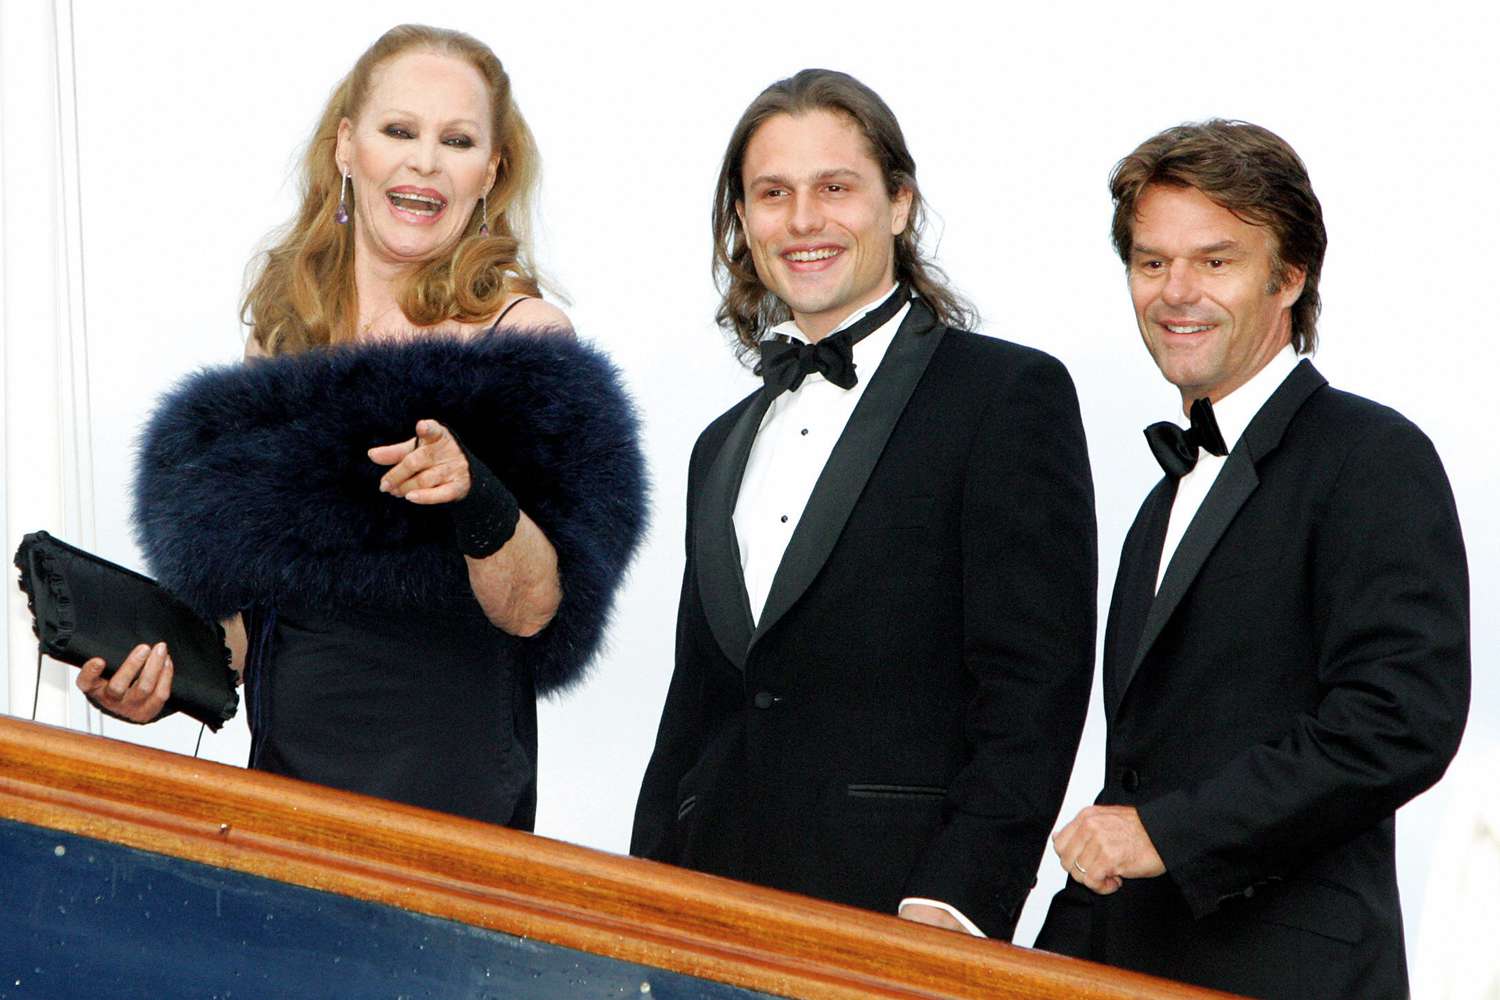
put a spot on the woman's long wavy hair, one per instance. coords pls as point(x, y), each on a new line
point(747, 308)
point(301, 291)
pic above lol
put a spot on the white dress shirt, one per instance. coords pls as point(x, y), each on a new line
point(795, 440)
point(796, 436)
point(1233, 414)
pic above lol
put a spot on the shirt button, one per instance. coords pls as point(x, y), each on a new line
point(765, 699)
point(1130, 780)
point(804, 432)
point(783, 519)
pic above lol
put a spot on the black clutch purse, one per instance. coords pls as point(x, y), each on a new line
point(83, 606)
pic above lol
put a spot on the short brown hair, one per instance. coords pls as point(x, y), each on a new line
point(747, 307)
point(1249, 171)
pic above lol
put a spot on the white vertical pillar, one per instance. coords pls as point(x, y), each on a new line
point(45, 452)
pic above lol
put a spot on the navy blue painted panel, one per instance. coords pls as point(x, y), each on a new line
point(81, 918)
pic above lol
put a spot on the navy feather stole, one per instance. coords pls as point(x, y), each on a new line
point(253, 485)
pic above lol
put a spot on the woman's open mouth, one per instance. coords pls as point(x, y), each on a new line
point(416, 205)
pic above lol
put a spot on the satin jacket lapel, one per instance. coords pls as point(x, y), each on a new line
point(1135, 591)
point(1236, 482)
point(721, 578)
point(853, 459)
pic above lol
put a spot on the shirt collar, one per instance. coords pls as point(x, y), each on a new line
point(790, 328)
point(1234, 412)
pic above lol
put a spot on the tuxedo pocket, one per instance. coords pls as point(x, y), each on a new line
point(897, 793)
point(870, 836)
point(876, 806)
point(1316, 906)
point(689, 792)
point(697, 785)
point(693, 833)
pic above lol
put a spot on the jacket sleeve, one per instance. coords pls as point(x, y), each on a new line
point(1030, 575)
point(1390, 589)
point(682, 726)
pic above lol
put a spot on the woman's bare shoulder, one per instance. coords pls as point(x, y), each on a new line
point(534, 314)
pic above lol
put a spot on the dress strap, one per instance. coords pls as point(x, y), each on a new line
point(496, 325)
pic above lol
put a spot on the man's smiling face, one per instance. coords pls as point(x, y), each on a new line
point(1201, 282)
point(819, 221)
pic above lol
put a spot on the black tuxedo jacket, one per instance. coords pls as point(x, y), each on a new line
point(1302, 672)
point(903, 719)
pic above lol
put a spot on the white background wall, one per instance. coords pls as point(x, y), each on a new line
point(191, 115)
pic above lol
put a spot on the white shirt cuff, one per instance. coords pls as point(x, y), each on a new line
point(968, 924)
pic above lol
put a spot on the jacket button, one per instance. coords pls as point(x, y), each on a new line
point(1249, 892)
point(1129, 779)
point(765, 699)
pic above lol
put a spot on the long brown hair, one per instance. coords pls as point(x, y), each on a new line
point(301, 291)
point(1247, 170)
point(747, 307)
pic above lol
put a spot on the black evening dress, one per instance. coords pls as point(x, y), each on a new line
point(435, 710)
point(371, 667)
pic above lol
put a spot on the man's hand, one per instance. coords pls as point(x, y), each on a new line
point(921, 913)
point(429, 468)
point(137, 691)
point(1104, 845)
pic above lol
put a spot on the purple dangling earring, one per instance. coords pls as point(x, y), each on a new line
point(484, 214)
point(342, 215)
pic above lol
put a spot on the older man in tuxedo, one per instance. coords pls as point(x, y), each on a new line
point(1286, 659)
point(885, 636)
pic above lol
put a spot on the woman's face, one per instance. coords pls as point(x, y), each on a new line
point(420, 156)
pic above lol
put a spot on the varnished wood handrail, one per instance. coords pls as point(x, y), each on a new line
point(515, 883)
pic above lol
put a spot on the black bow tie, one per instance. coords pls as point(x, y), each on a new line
point(786, 361)
point(1177, 449)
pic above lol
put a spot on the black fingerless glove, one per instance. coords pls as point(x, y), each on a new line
point(486, 519)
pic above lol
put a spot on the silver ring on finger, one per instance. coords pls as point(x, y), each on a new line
point(1080, 869)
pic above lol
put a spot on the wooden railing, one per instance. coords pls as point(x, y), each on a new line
point(515, 883)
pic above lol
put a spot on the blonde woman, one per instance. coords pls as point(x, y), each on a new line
point(411, 508)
